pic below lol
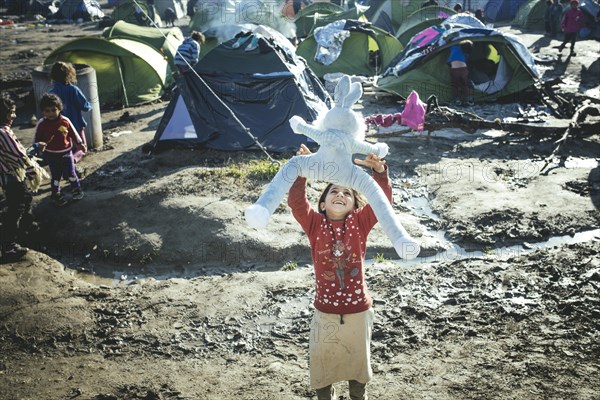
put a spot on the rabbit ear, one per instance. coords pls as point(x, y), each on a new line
point(341, 90)
point(354, 94)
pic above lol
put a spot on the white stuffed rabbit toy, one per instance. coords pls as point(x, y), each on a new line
point(340, 134)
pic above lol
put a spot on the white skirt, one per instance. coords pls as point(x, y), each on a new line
point(340, 352)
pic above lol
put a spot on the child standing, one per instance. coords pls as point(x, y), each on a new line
point(64, 80)
point(572, 22)
point(57, 136)
point(15, 169)
point(343, 320)
point(188, 52)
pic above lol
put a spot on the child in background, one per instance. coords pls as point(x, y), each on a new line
point(459, 72)
point(188, 52)
point(572, 22)
point(343, 320)
point(57, 137)
point(74, 101)
point(15, 169)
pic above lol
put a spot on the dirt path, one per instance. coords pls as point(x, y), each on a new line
point(521, 328)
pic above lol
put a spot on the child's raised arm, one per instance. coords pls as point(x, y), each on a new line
point(297, 199)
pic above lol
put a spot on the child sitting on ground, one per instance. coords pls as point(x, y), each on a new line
point(338, 240)
point(57, 137)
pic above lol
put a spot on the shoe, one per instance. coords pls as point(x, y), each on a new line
point(77, 194)
point(240, 41)
point(58, 200)
point(14, 252)
point(253, 44)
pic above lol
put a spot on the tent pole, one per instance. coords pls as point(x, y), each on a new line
point(122, 82)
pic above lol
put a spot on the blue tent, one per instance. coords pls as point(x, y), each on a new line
point(502, 10)
point(590, 10)
point(263, 88)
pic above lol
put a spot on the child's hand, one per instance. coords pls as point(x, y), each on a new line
point(372, 161)
point(83, 147)
point(303, 151)
point(42, 145)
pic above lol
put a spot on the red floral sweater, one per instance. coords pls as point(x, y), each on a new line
point(338, 250)
point(59, 134)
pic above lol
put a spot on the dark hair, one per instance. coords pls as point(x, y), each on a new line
point(63, 72)
point(198, 37)
point(6, 106)
point(359, 199)
point(51, 100)
point(466, 46)
point(457, 7)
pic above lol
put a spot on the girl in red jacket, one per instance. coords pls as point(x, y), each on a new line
point(343, 320)
point(56, 137)
point(572, 22)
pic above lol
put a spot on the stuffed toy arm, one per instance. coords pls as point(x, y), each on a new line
point(300, 127)
point(362, 147)
point(406, 247)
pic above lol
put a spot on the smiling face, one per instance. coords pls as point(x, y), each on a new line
point(338, 202)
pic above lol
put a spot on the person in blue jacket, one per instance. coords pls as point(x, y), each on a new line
point(459, 72)
point(63, 76)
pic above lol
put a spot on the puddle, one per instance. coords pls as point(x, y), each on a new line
point(582, 163)
point(456, 252)
point(108, 276)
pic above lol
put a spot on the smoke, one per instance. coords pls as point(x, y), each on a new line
point(222, 16)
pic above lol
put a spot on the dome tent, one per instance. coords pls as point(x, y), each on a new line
point(390, 14)
point(531, 15)
point(319, 14)
point(126, 11)
point(421, 19)
point(366, 50)
point(128, 72)
point(263, 87)
point(164, 40)
point(499, 65)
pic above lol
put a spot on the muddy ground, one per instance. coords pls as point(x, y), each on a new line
point(156, 289)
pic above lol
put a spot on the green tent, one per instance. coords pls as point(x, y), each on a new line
point(125, 11)
point(365, 52)
point(500, 66)
point(308, 16)
point(128, 72)
point(421, 19)
point(322, 20)
point(164, 40)
point(531, 15)
point(394, 11)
